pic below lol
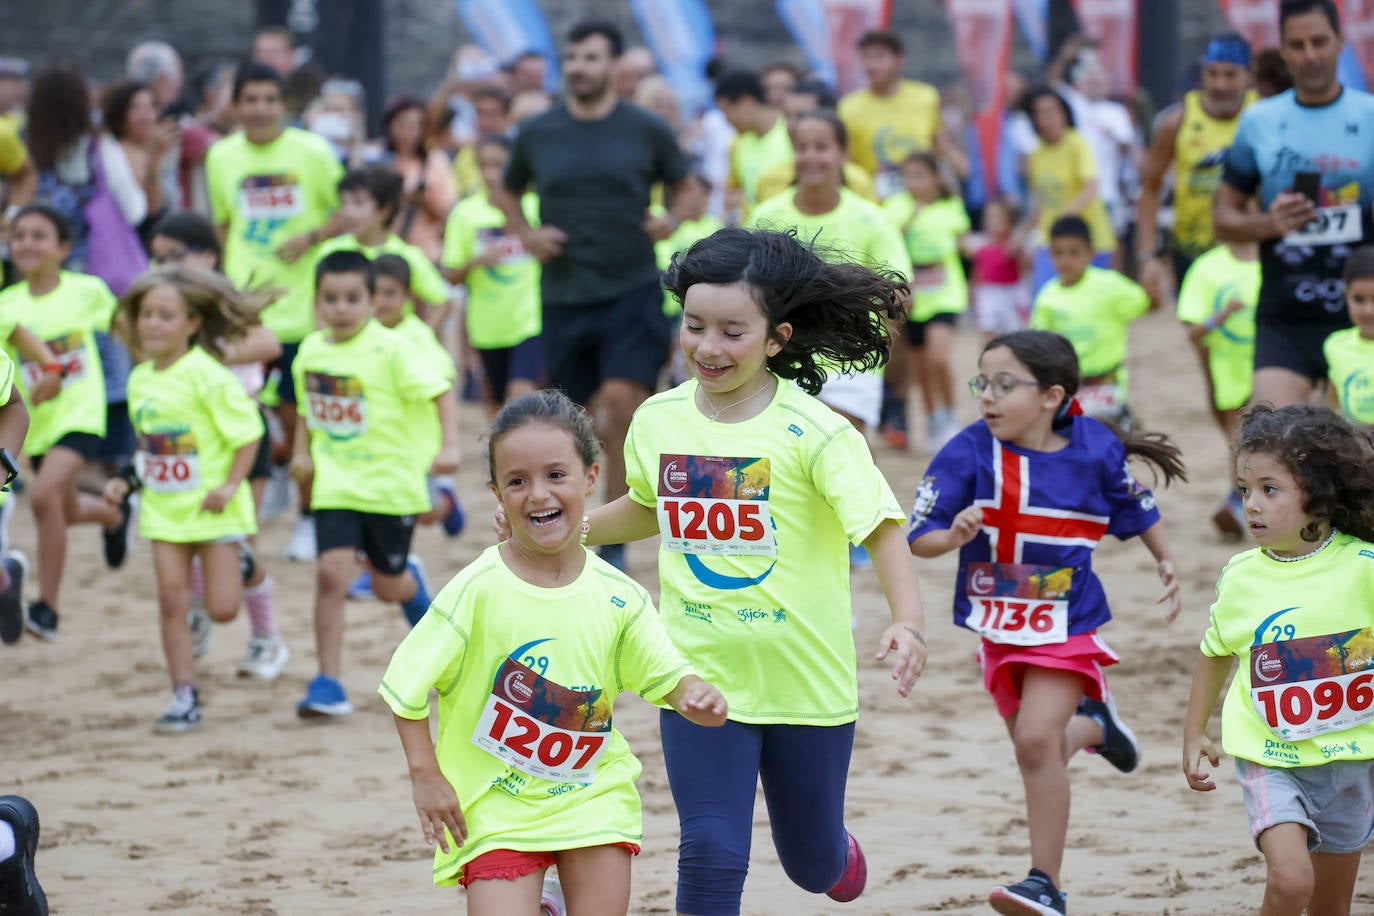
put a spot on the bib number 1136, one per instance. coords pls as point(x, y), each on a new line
point(1020, 623)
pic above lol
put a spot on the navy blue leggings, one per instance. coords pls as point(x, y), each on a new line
point(713, 773)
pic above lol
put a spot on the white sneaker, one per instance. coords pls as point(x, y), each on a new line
point(276, 498)
point(264, 658)
point(202, 629)
point(552, 900)
point(302, 546)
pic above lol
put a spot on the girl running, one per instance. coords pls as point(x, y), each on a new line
point(528, 647)
point(1296, 609)
point(758, 489)
point(1024, 495)
point(198, 432)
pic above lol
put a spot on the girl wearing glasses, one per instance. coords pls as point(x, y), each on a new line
point(1024, 495)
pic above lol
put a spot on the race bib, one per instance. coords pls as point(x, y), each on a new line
point(1100, 400)
point(1019, 604)
point(717, 506)
point(337, 405)
point(544, 729)
point(168, 462)
point(270, 197)
point(928, 278)
point(1304, 688)
point(70, 350)
point(508, 247)
point(888, 182)
point(1339, 225)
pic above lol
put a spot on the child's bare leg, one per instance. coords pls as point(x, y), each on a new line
point(172, 564)
point(1333, 883)
point(596, 880)
point(507, 898)
point(1290, 875)
point(51, 494)
point(223, 580)
point(938, 375)
point(333, 570)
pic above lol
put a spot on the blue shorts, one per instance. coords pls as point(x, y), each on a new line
point(524, 361)
point(286, 384)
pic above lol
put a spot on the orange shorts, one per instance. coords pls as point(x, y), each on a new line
point(1004, 666)
point(509, 864)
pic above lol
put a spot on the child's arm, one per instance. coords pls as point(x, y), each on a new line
point(436, 315)
point(699, 702)
point(14, 423)
point(621, 521)
point(446, 462)
point(302, 465)
point(488, 258)
point(1208, 678)
point(435, 800)
point(1153, 537)
point(34, 349)
point(259, 345)
point(965, 528)
point(893, 567)
point(219, 497)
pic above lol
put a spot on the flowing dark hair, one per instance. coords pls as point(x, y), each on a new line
point(836, 307)
point(1331, 461)
point(59, 114)
point(1052, 361)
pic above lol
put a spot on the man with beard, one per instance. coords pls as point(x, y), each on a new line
point(593, 159)
point(1307, 157)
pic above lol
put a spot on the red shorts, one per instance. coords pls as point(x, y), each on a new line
point(1004, 666)
point(508, 864)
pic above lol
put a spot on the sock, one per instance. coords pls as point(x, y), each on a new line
point(7, 846)
point(197, 583)
point(258, 601)
point(418, 603)
point(184, 690)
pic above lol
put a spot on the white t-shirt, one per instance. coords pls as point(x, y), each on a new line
point(1107, 127)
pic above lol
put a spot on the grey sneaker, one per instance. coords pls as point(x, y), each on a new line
point(1033, 895)
point(182, 714)
point(202, 629)
point(264, 658)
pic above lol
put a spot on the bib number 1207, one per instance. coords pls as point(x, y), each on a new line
point(538, 748)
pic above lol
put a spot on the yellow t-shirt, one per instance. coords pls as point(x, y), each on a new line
point(1094, 314)
point(266, 195)
point(684, 236)
point(782, 176)
point(359, 400)
point(754, 572)
point(67, 319)
point(1199, 152)
point(503, 300)
point(467, 174)
point(1295, 626)
point(191, 418)
point(885, 130)
point(1211, 283)
point(751, 155)
point(1058, 174)
point(426, 283)
point(1351, 361)
point(424, 345)
point(938, 284)
point(12, 151)
point(532, 673)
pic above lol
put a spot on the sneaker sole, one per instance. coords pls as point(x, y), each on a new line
point(26, 816)
point(266, 672)
point(41, 632)
point(324, 710)
point(175, 728)
point(1009, 904)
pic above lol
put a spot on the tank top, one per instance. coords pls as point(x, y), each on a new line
point(1199, 151)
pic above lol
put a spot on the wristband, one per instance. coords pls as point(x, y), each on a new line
point(1211, 324)
point(59, 368)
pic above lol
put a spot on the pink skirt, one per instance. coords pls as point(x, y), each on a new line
point(1004, 666)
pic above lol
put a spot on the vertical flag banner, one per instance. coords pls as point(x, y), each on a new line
point(1112, 23)
point(1357, 25)
point(805, 19)
point(1034, 19)
point(828, 32)
point(1256, 20)
point(508, 28)
point(982, 41)
point(683, 39)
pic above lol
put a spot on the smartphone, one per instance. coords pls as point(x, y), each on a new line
point(1309, 185)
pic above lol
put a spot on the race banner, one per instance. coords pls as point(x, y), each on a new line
point(1256, 20)
point(508, 28)
point(1034, 19)
point(828, 32)
point(1112, 24)
point(683, 39)
point(982, 42)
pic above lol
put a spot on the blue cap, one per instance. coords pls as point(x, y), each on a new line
point(1227, 49)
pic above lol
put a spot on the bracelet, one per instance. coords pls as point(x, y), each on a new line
point(57, 367)
point(919, 638)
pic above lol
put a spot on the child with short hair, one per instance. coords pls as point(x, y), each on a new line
point(1350, 353)
point(1299, 717)
point(363, 388)
point(1001, 271)
point(1093, 307)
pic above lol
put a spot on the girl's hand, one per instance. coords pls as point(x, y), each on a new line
point(702, 704)
point(437, 805)
point(49, 386)
point(116, 491)
point(301, 467)
point(218, 498)
point(966, 526)
point(911, 654)
point(446, 462)
point(1195, 748)
point(1171, 595)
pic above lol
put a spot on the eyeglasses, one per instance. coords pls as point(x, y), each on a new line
point(1002, 384)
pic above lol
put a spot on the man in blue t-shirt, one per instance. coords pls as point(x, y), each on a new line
point(1307, 157)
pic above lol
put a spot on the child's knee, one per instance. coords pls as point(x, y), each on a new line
point(333, 571)
point(223, 604)
point(393, 588)
point(1290, 882)
point(1037, 748)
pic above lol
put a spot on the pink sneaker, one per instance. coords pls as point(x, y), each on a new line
point(851, 883)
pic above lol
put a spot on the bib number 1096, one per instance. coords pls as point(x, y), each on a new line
point(1306, 709)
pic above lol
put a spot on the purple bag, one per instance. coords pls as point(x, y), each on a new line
point(114, 252)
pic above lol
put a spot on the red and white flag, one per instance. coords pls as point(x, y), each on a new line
point(982, 41)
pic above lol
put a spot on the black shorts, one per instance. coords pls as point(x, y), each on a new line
point(524, 361)
point(1294, 346)
point(622, 338)
point(1183, 262)
point(383, 539)
point(87, 445)
point(118, 445)
point(286, 383)
point(262, 461)
point(916, 330)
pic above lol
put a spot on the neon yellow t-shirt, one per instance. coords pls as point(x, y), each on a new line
point(426, 283)
point(885, 130)
point(687, 234)
point(268, 194)
point(1058, 174)
point(510, 660)
point(751, 155)
point(782, 176)
point(424, 345)
point(1294, 626)
point(1215, 279)
point(1094, 314)
point(503, 301)
point(12, 151)
point(754, 574)
point(1350, 359)
point(359, 398)
point(190, 419)
point(938, 284)
point(67, 319)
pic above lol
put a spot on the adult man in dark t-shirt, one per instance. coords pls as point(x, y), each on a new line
point(593, 159)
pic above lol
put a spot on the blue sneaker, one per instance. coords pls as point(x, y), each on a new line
point(415, 608)
point(1033, 895)
point(859, 558)
point(324, 698)
point(360, 589)
point(456, 518)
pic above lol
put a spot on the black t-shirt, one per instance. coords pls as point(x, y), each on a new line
point(593, 180)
